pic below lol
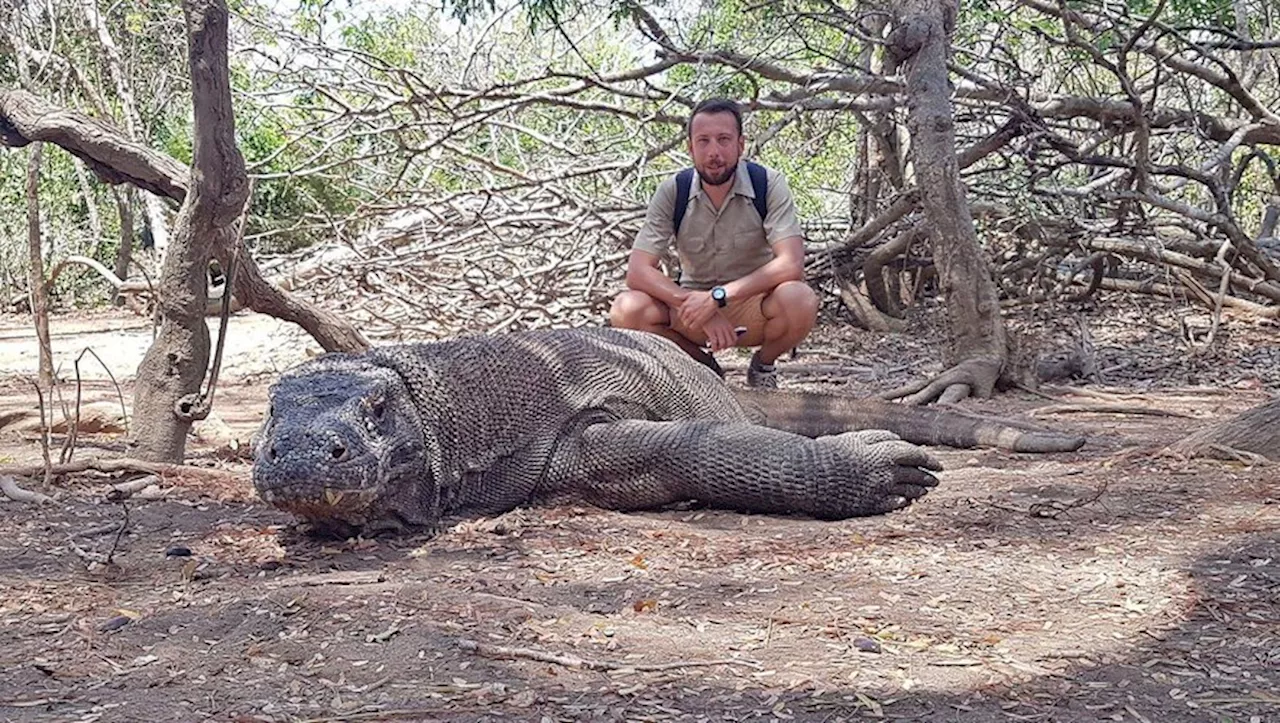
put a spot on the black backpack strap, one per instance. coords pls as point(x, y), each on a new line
point(759, 186)
point(684, 184)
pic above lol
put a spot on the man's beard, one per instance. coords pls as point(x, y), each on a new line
point(716, 180)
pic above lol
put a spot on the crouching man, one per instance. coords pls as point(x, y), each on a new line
point(741, 254)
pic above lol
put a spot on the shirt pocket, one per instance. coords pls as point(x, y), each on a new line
point(748, 231)
point(696, 243)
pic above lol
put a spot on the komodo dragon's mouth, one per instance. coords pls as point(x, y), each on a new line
point(345, 511)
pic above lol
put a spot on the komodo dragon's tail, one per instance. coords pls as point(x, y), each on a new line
point(815, 414)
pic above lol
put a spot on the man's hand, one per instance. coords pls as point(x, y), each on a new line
point(720, 333)
point(697, 309)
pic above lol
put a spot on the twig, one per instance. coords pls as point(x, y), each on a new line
point(573, 661)
point(73, 430)
point(124, 410)
point(1105, 409)
point(115, 543)
point(108, 466)
point(133, 487)
point(9, 487)
point(1053, 508)
point(444, 713)
point(44, 442)
point(97, 530)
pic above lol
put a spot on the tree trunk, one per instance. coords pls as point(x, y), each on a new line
point(25, 118)
point(976, 355)
point(35, 274)
point(171, 373)
point(91, 208)
point(124, 204)
point(1256, 430)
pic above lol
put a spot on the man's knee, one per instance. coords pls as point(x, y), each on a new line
point(634, 310)
point(794, 300)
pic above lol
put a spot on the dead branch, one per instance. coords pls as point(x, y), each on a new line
point(113, 466)
point(25, 118)
point(106, 274)
point(9, 486)
point(1156, 288)
point(1105, 409)
point(573, 661)
point(873, 268)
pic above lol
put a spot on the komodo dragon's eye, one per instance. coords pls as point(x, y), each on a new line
point(378, 409)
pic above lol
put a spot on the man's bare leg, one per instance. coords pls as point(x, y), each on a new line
point(790, 311)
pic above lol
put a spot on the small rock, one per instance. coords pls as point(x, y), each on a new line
point(217, 434)
point(115, 623)
point(867, 645)
point(178, 551)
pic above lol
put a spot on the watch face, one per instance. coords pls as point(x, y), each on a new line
point(717, 294)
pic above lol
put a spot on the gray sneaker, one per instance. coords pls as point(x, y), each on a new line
point(764, 376)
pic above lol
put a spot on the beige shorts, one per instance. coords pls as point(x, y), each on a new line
point(746, 313)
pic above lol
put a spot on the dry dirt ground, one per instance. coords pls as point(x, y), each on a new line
point(1156, 598)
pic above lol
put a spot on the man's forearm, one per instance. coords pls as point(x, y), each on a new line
point(766, 278)
point(653, 282)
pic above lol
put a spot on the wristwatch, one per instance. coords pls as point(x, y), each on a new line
point(720, 295)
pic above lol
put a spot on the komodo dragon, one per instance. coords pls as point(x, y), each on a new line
point(399, 436)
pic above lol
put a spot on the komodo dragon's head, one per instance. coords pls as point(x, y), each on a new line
point(342, 447)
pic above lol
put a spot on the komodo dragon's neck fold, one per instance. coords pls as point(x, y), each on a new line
point(816, 414)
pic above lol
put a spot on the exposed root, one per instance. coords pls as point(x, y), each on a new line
point(974, 377)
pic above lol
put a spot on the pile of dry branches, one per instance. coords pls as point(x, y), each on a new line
point(474, 263)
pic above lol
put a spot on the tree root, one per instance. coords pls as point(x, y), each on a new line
point(973, 377)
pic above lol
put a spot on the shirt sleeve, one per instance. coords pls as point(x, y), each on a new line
point(656, 233)
point(781, 221)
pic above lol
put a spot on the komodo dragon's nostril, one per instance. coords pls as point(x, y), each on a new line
point(271, 453)
point(338, 451)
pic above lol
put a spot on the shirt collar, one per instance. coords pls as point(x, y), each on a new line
point(741, 182)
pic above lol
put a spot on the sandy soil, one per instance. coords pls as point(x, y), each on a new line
point(1157, 598)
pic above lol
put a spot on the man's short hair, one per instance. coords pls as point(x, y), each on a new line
point(715, 105)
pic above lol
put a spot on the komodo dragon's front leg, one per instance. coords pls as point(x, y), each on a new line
point(631, 464)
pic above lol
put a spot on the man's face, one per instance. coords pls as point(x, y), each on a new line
point(715, 145)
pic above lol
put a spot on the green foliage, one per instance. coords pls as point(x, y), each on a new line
point(1186, 12)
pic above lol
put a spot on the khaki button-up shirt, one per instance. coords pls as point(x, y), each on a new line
point(716, 246)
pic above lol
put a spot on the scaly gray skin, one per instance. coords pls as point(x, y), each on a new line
point(401, 436)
